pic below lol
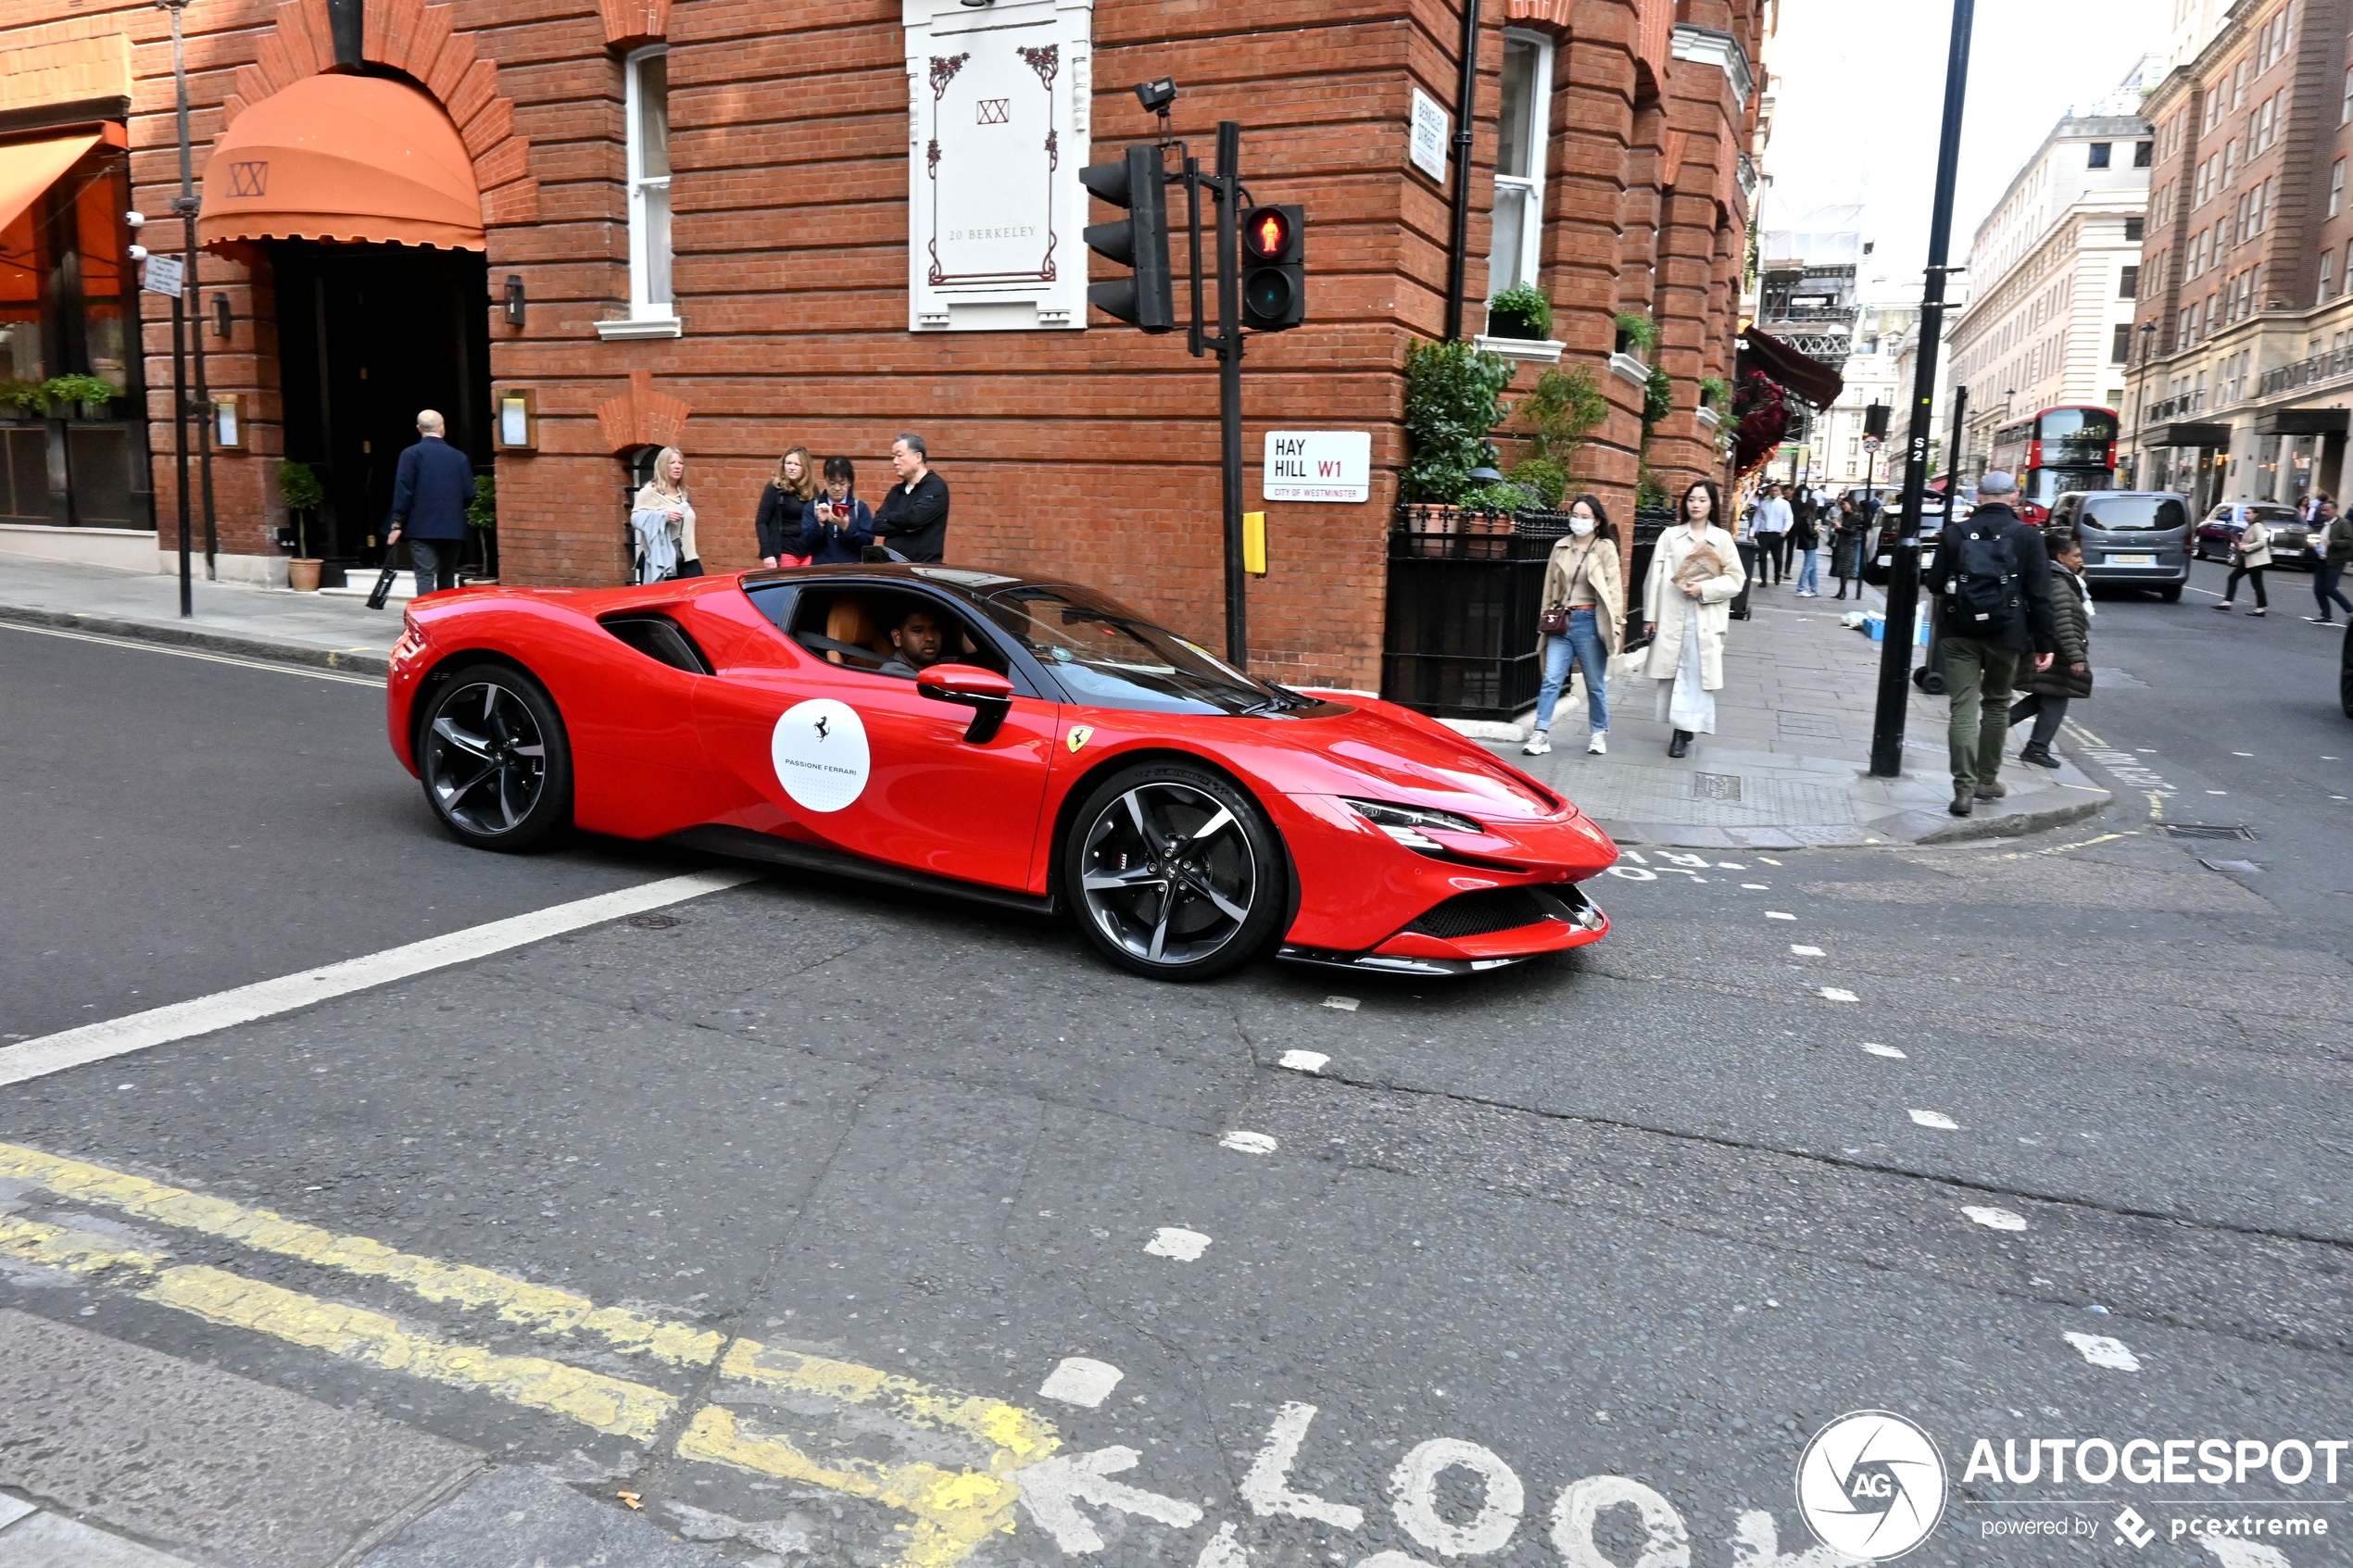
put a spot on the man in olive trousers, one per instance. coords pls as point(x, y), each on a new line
point(1996, 575)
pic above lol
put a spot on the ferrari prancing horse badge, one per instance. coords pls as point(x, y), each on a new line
point(1079, 735)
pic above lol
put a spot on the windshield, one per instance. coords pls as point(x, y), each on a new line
point(1106, 655)
point(2134, 512)
point(2079, 424)
point(2044, 486)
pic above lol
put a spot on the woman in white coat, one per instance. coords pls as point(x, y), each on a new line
point(1695, 574)
point(663, 521)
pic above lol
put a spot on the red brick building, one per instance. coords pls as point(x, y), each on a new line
point(738, 230)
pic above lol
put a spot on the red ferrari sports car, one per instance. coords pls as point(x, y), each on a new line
point(1013, 740)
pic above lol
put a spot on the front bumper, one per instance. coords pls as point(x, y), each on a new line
point(1437, 943)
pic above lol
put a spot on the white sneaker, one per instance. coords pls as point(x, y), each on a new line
point(1599, 745)
point(1538, 745)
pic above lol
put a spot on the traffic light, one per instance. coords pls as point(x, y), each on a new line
point(1139, 241)
point(1275, 268)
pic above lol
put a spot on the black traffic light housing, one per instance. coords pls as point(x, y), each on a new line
point(1274, 268)
point(1875, 420)
point(1139, 240)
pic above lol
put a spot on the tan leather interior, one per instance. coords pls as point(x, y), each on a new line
point(846, 621)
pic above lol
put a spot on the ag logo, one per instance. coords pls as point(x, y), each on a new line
point(1871, 1485)
point(819, 750)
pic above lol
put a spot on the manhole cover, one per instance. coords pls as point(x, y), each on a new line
point(2195, 830)
point(2237, 867)
point(1716, 786)
point(653, 922)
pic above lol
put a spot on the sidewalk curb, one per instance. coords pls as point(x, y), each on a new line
point(357, 662)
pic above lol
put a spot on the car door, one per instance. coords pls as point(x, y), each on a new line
point(858, 760)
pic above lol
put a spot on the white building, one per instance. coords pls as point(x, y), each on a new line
point(2054, 271)
point(1876, 373)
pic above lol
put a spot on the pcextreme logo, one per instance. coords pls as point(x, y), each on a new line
point(1871, 1485)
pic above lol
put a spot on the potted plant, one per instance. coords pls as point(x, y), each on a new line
point(94, 393)
point(1561, 414)
point(24, 399)
point(1521, 311)
point(482, 515)
point(1637, 334)
point(1454, 397)
point(299, 488)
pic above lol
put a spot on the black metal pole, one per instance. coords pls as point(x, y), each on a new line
point(187, 208)
point(1904, 569)
point(1954, 448)
point(1230, 383)
point(1466, 105)
point(180, 438)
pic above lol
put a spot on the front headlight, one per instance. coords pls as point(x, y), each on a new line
point(1405, 824)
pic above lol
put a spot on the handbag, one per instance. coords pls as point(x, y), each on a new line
point(1554, 622)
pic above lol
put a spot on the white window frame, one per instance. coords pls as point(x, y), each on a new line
point(2337, 188)
point(648, 317)
point(1529, 190)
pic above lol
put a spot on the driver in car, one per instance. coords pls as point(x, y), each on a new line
point(920, 642)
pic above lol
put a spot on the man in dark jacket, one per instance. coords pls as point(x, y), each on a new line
point(1997, 615)
point(429, 496)
point(915, 515)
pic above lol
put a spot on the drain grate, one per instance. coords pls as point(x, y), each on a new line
point(654, 923)
point(2237, 867)
point(1716, 786)
point(2195, 830)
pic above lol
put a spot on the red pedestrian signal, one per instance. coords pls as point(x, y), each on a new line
point(1274, 267)
point(1268, 235)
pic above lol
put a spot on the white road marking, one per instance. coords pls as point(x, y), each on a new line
point(1268, 1488)
point(1803, 951)
point(1247, 1143)
point(1936, 1119)
point(1052, 1490)
point(1833, 994)
point(1222, 1550)
point(1665, 1542)
point(2217, 792)
point(1767, 860)
point(137, 645)
point(1303, 1062)
point(2242, 754)
point(1078, 1381)
point(265, 999)
point(2100, 1350)
point(1634, 874)
point(1994, 1219)
point(1755, 887)
point(2244, 1553)
point(1412, 1487)
point(1777, 914)
point(1175, 1241)
point(1730, 866)
point(1346, 1004)
point(1885, 1051)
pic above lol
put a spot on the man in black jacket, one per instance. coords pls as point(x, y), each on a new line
point(1997, 579)
point(429, 495)
point(914, 514)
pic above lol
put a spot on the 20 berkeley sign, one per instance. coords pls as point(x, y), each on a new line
point(1318, 465)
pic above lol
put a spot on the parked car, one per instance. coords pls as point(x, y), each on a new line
point(1889, 519)
point(2132, 538)
point(2291, 539)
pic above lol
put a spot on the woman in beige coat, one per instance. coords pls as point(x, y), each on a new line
point(1583, 594)
point(1695, 576)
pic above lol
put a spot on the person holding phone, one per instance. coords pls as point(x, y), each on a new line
point(836, 527)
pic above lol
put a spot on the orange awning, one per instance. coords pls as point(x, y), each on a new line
point(341, 158)
point(27, 168)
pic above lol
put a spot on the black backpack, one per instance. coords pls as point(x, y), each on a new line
point(1985, 584)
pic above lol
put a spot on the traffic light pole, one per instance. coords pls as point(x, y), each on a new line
point(1904, 569)
point(1230, 383)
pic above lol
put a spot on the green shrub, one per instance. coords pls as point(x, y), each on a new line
point(25, 395)
point(1543, 477)
point(1638, 330)
point(1658, 398)
point(1526, 302)
point(1716, 393)
point(482, 511)
point(298, 486)
point(79, 388)
point(1506, 498)
point(1454, 397)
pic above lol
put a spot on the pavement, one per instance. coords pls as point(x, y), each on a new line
point(334, 630)
point(1789, 767)
point(803, 1224)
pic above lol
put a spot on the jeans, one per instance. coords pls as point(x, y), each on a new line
point(1809, 572)
point(1583, 647)
point(2230, 589)
point(2048, 713)
point(436, 562)
point(1979, 675)
point(2325, 580)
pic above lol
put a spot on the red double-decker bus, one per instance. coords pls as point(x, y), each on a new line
point(2072, 447)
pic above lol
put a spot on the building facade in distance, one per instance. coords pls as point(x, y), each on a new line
point(589, 228)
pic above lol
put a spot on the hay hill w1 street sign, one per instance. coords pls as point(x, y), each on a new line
point(1318, 465)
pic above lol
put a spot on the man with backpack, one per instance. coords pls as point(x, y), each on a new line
point(1995, 576)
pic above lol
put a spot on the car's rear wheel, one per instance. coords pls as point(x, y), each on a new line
point(2170, 593)
point(1175, 872)
point(494, 760)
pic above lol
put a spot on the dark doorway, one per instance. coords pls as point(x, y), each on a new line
point(367, 336)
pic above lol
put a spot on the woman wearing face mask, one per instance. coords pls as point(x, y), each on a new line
point(836, 528)
point(1695, 574)
point(1585, 619)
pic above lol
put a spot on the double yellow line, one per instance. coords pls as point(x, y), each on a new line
point(953, 1510)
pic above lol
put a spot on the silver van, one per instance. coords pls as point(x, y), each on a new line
point(2131, 538)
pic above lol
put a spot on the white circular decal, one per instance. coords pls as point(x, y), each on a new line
point(820, 752)
point(1871, 1485)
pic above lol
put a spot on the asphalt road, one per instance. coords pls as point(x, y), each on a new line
point(811, 1212)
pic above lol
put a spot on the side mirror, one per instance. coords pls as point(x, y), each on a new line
point(988, 694)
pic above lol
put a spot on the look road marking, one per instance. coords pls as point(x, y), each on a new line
point(181, 1021)
point(954, 1510)
point(210, 657)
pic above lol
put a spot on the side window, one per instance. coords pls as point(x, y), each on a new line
point(853, 627)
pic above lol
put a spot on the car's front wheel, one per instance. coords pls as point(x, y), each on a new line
point(496, 762)
point(1175, 872)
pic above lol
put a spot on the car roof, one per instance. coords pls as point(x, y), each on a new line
point(963, 581)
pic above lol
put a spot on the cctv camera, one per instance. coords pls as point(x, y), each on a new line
point(1157, 95)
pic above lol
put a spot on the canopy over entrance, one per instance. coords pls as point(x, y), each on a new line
point(346, 158)
point(1801, 373)
point(27, 168)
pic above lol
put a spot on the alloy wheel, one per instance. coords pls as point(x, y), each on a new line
point(485, 760)
point(1169, 874)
